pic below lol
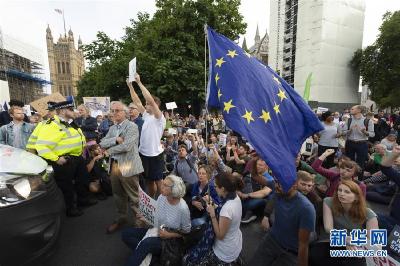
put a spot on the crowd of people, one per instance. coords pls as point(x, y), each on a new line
point(208, 181)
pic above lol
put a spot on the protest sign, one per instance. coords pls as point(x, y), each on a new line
point(321, 110)
point(172, 131)
point(306, 148)
point(222, 140)
point(41, 104)
point(171, 105)
point(97, 104)
point(132, 70)
point(380, 261)
point(27, 110)
point(147, 206)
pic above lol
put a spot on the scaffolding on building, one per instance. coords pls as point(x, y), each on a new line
point(22, 74)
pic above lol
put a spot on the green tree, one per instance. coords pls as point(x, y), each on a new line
point(169, 48)
point(378, 64)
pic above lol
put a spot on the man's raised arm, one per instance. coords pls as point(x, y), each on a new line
point(149, 99)
point(135, 98)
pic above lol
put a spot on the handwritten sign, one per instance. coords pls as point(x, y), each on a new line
point(147, 206)
point(41, 104)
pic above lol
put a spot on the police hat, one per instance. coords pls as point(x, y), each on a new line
point(63, 105)
point(50, 106)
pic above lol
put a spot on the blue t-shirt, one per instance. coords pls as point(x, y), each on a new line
point(290, 216)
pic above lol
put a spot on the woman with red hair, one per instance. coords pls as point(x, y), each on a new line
point(347, 209)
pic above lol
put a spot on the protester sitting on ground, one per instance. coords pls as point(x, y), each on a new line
point(258, 186)
point(226, 224)
point(319, 180)
point(390, 140)
point(172, 218)
point(328, 138)
point(186, 163)
point(201, 191)
point(17, 132)
point(345, 210)
point(348, 170)
point(286, 243)
point(385, 221)
point(240, 158)
point(100, 183)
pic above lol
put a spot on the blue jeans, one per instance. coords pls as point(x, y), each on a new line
point(358, 152)
point(252, 204)
point(132, 237)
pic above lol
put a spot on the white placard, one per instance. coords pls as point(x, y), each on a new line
point(172, 131)
point(192, 131)
point(171, 105)
point(321, 110)
point(27, 110)
point(222, 140)
point(132, 70)
point(147, 207)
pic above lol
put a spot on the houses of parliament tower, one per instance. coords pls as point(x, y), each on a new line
point(66, 63)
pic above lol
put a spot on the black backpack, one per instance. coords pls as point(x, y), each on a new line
point(366, 121)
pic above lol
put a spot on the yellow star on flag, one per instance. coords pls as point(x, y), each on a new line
point(228, 106)
point(219, 94)
point(276, 80)
point(216, 79)
point(232, 53)
point(220, 62)
point(276, 108)
point(265, 116)
point(248, 116)
point(282, 94)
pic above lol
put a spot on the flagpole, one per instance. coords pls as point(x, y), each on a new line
point(205, 102)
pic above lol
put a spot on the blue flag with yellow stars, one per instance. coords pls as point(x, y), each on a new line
point(259, 105)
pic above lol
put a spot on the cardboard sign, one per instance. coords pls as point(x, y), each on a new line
point(171, 105)
point(41, 104)
point(132, 70)
point(97, 105)
point(147, 206)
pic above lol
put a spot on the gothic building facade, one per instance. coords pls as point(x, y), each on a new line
point(260, 47)
point(66, 63)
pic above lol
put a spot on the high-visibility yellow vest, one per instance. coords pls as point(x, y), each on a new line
point(33, 137)
point(56, 139)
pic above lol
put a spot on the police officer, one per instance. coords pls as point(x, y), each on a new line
point(62, 144)
point(30, 146)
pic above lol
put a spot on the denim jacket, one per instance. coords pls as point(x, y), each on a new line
point(7, 134)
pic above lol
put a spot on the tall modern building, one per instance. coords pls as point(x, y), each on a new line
point(318, 37)
point(66, 63)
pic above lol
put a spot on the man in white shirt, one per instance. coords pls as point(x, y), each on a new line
point(151, 149)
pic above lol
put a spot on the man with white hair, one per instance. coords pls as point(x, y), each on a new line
point(121, 143)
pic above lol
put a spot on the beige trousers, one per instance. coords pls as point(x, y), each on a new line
point(125, 192)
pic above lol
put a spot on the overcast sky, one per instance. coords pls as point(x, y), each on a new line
point(27, 20)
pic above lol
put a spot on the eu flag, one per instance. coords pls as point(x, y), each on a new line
point(259, 105)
